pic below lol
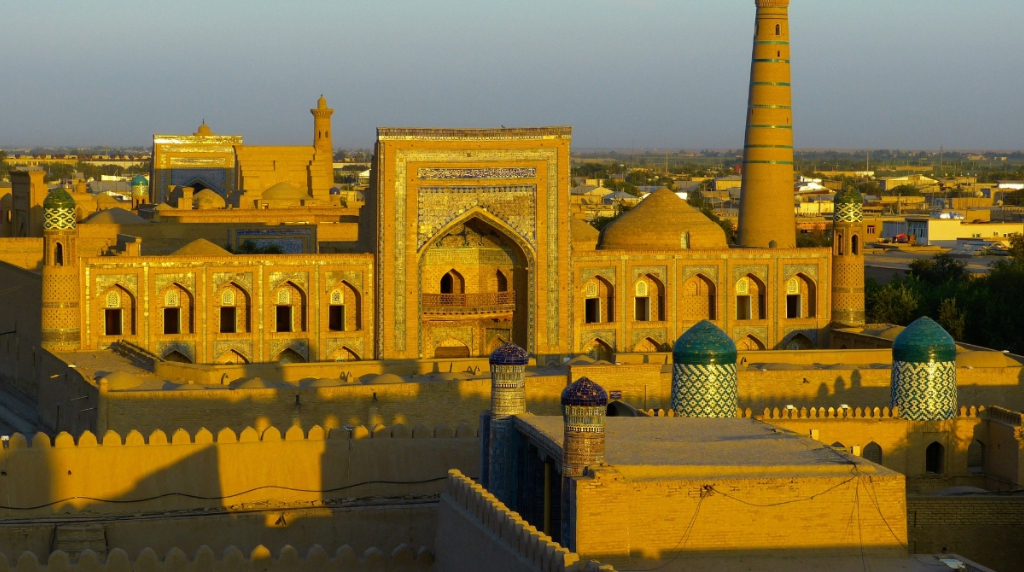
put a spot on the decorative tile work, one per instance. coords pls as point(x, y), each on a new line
point(187, 349)
point(924, 391)
point(761, 272)
point(463, 334)
point(243, 279)
point(185, 280)
point(607, 336)
point(514, 205)
point(468, 256)
point(441, 173)
point(608, 273)
point(659, 335)
point(59, 218)
point(289, 240)
point(710, 272)
point(705, 390)
point(809, 270)
point(298, 278)
point(127, 281)
point(243, 347)
point(333, 344)
point(659, 272)
point(759, 332)
point(300, 346)
point(848, 212)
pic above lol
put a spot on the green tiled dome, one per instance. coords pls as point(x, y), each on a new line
point(924, 341)
point(139, 180)
point(704, 344)
point(59, 198)
point(849, 196)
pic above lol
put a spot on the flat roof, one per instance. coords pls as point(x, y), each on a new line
point(643, 448)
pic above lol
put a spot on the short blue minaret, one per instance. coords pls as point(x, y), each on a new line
point(704, 382)
point(508, 399)
point(923, 383)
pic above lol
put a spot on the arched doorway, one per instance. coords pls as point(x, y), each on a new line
point(177, 357)
point(290, 356)
point(647, 346)
point(935, 459)
point(750, 344)
point(231, 357)
point(475, 284)
point(699, 302)
point(343, 354)
point(451, 349)
point(598, 350)
point(800, 342)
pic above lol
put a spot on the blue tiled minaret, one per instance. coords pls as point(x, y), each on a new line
point(584, 405)
point(704, 382)
point(508, 399)
point(923, 383)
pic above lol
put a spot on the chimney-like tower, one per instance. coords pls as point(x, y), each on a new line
point(848, 259)
point(704, 379)
point(508, 399)
point(584, 406)
point(923, 383)
point(61, 315)
point(767, 216)
point(321, 171)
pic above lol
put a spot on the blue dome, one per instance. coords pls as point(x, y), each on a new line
point(139, 181)
point(584, 393)
point(924, 341)
point(704, 344)
point(510, 354)
point(334, 191)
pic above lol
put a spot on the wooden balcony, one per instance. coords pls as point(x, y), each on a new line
point(463, 304)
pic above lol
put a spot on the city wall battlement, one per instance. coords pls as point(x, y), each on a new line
point(402, 559)
point(204, 471)
point(476, 531)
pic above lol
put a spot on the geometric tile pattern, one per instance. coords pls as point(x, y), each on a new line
point(708, 391)
point(924, 391)
point(61, 218)
point(848, 212)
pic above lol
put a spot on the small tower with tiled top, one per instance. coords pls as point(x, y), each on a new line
point(584, 405)
point(61, 315)
point(508, 399)
point(140, 191)
point(704, 381)
point(923, 384)
point(848, 258)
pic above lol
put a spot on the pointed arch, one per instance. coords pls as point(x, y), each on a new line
point(451, 348)
point(288, 355)
point(799, 342)
point(345, 310)
point(177, 357)
point(500, 281)
point(801, 297)
point(873, 452)
point(290, 308)
point(494, 344)
point(453, 283)
point(177, 308)
point(598, 349)
point(647, 346)
point(699, 299)
point(751, 298)
point(235, 309)
point(750, 343)
point(598, 301)
point(343, 354)
point(935, 459)
point(116, 310)
point(58, 254)
point(231, 357)
point(489, 219)
point(976, 457)
point(649, 299)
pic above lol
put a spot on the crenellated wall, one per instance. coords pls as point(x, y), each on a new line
point(115, 475)
point(477, 532)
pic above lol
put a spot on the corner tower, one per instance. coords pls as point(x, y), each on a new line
point(766, 207)
point(321, 171)
point(584, 405)
point(508, 399)
point(848, 259)
point(61, 316)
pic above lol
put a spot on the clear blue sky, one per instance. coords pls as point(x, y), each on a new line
point(907, 74)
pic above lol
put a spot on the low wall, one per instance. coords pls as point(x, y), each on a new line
point(248, 470)
point(985, 529)
point(475, 531)
point(403, 559)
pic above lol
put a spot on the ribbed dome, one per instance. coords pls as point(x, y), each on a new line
point(59, 198)
point(510, 354)
point(662, 221)
point(924, 341)
point(584, 393)
point(848, 196)
point(704, 344)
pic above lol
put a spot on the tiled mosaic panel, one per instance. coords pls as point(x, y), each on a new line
point(924, 391)
point(704, 390)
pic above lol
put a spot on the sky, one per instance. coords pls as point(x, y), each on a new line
point(664, 74)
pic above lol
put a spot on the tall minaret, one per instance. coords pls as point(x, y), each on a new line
point(321, 171)
point(848, 259)
point(61, 315)
point(766, 207)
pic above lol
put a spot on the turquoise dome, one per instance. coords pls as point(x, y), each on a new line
point(924, 341)
point(704, 344)
point(59, 198)
point(139, 181)
point(849, 196)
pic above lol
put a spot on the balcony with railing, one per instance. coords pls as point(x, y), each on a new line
point(463, 304)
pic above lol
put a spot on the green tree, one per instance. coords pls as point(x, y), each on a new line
point(939, 270)
point(1017, 247)
point(906, 191)
point(814, 239)
point(953, 319)
point(894, 303)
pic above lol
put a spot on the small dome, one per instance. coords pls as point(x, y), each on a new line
point(704, 344)
point(254, 383)
point(115, 215)
point(283, 192)
point(201, 247)
point(326, 382)
point(584, 393)
point(204, 129)
point(139, 181)
point(924, 341)
point(120, 380)
point(510, 354)
point(334, 191)
point(583, 232)
point(207, 200)
point(59, 198)
point(385, 378)
point(581, 359)
point(848, 196)
point(662, 221)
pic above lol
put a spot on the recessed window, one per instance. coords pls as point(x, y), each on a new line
point(284, 318)
point(855, 245)
point(642, 309)
point(58, 254)
point(112, 319)
point(172, 321)
point(742, 307)
point(934, 459)
point(778, 30)
point(793, 306)
point(336, 318)
point(593, 310)
point(871, 229)
point(228, 320)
